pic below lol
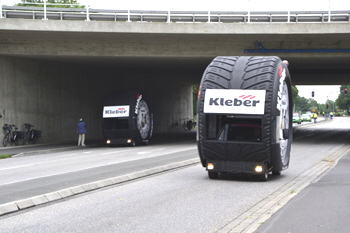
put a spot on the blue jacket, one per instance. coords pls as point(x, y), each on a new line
point(81, 127)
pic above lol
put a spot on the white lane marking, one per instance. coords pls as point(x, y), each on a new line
point(63, 157)
point(9, 168)
point(114, 152)
point(150, 151)
point(85, 168)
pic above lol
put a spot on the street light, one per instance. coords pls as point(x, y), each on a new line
point(331, 93)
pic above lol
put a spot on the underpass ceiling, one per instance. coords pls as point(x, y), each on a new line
point(304, 71)
point(305, 68)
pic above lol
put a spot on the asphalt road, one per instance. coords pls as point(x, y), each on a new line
point(45, 170)
point(179, 200)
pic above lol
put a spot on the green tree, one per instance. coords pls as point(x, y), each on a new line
point(60, 3)
point(331, 106)
point(195, 96)
point(295, 93)
point(343, 101)
point(313, 105)
point(323, 108)
point(302, 104)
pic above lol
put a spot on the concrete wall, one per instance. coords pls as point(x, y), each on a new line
point(53, 95)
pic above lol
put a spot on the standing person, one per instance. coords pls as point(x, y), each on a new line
point(331, 114)
point(314, 115)
point(81, 131)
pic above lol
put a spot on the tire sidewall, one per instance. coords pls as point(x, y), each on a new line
point(282, 77)
point(133, 99)
point(137, 114)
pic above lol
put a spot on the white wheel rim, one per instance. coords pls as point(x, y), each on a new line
point(284, 124)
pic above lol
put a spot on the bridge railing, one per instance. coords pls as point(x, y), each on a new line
point(174, 16)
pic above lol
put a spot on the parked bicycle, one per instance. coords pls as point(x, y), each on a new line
point(174, 126)
point(188, 124)
point(191, 124)
point(16, 137)
point(32, 135)
point(194, 124)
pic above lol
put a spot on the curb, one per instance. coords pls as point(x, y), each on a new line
point(68, 192)
point(54, 150)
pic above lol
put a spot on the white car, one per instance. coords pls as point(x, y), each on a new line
point(296, 118)
point(306, 117)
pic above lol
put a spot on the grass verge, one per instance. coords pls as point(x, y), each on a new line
point(5, 156)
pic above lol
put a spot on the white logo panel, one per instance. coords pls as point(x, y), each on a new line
point(116, 111)
point(234, 101)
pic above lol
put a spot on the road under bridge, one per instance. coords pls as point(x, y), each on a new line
point(55, 71)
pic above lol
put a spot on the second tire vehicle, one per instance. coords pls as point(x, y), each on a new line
point(245, 116)
point(126, 118)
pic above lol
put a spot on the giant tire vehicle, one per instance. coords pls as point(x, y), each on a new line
point(134, 126)
point(270, 149)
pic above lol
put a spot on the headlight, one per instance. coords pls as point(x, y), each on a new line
point(258, 168)
point(210, 166)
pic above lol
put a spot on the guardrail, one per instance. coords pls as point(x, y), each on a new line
point(174, 16)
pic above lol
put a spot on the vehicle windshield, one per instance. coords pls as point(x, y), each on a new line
point(116, 123)
point(246, 132)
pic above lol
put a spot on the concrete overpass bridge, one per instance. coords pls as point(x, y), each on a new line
point(55, 71)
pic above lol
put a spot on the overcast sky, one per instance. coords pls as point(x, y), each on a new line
point(224, 5)
point(321, 92)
